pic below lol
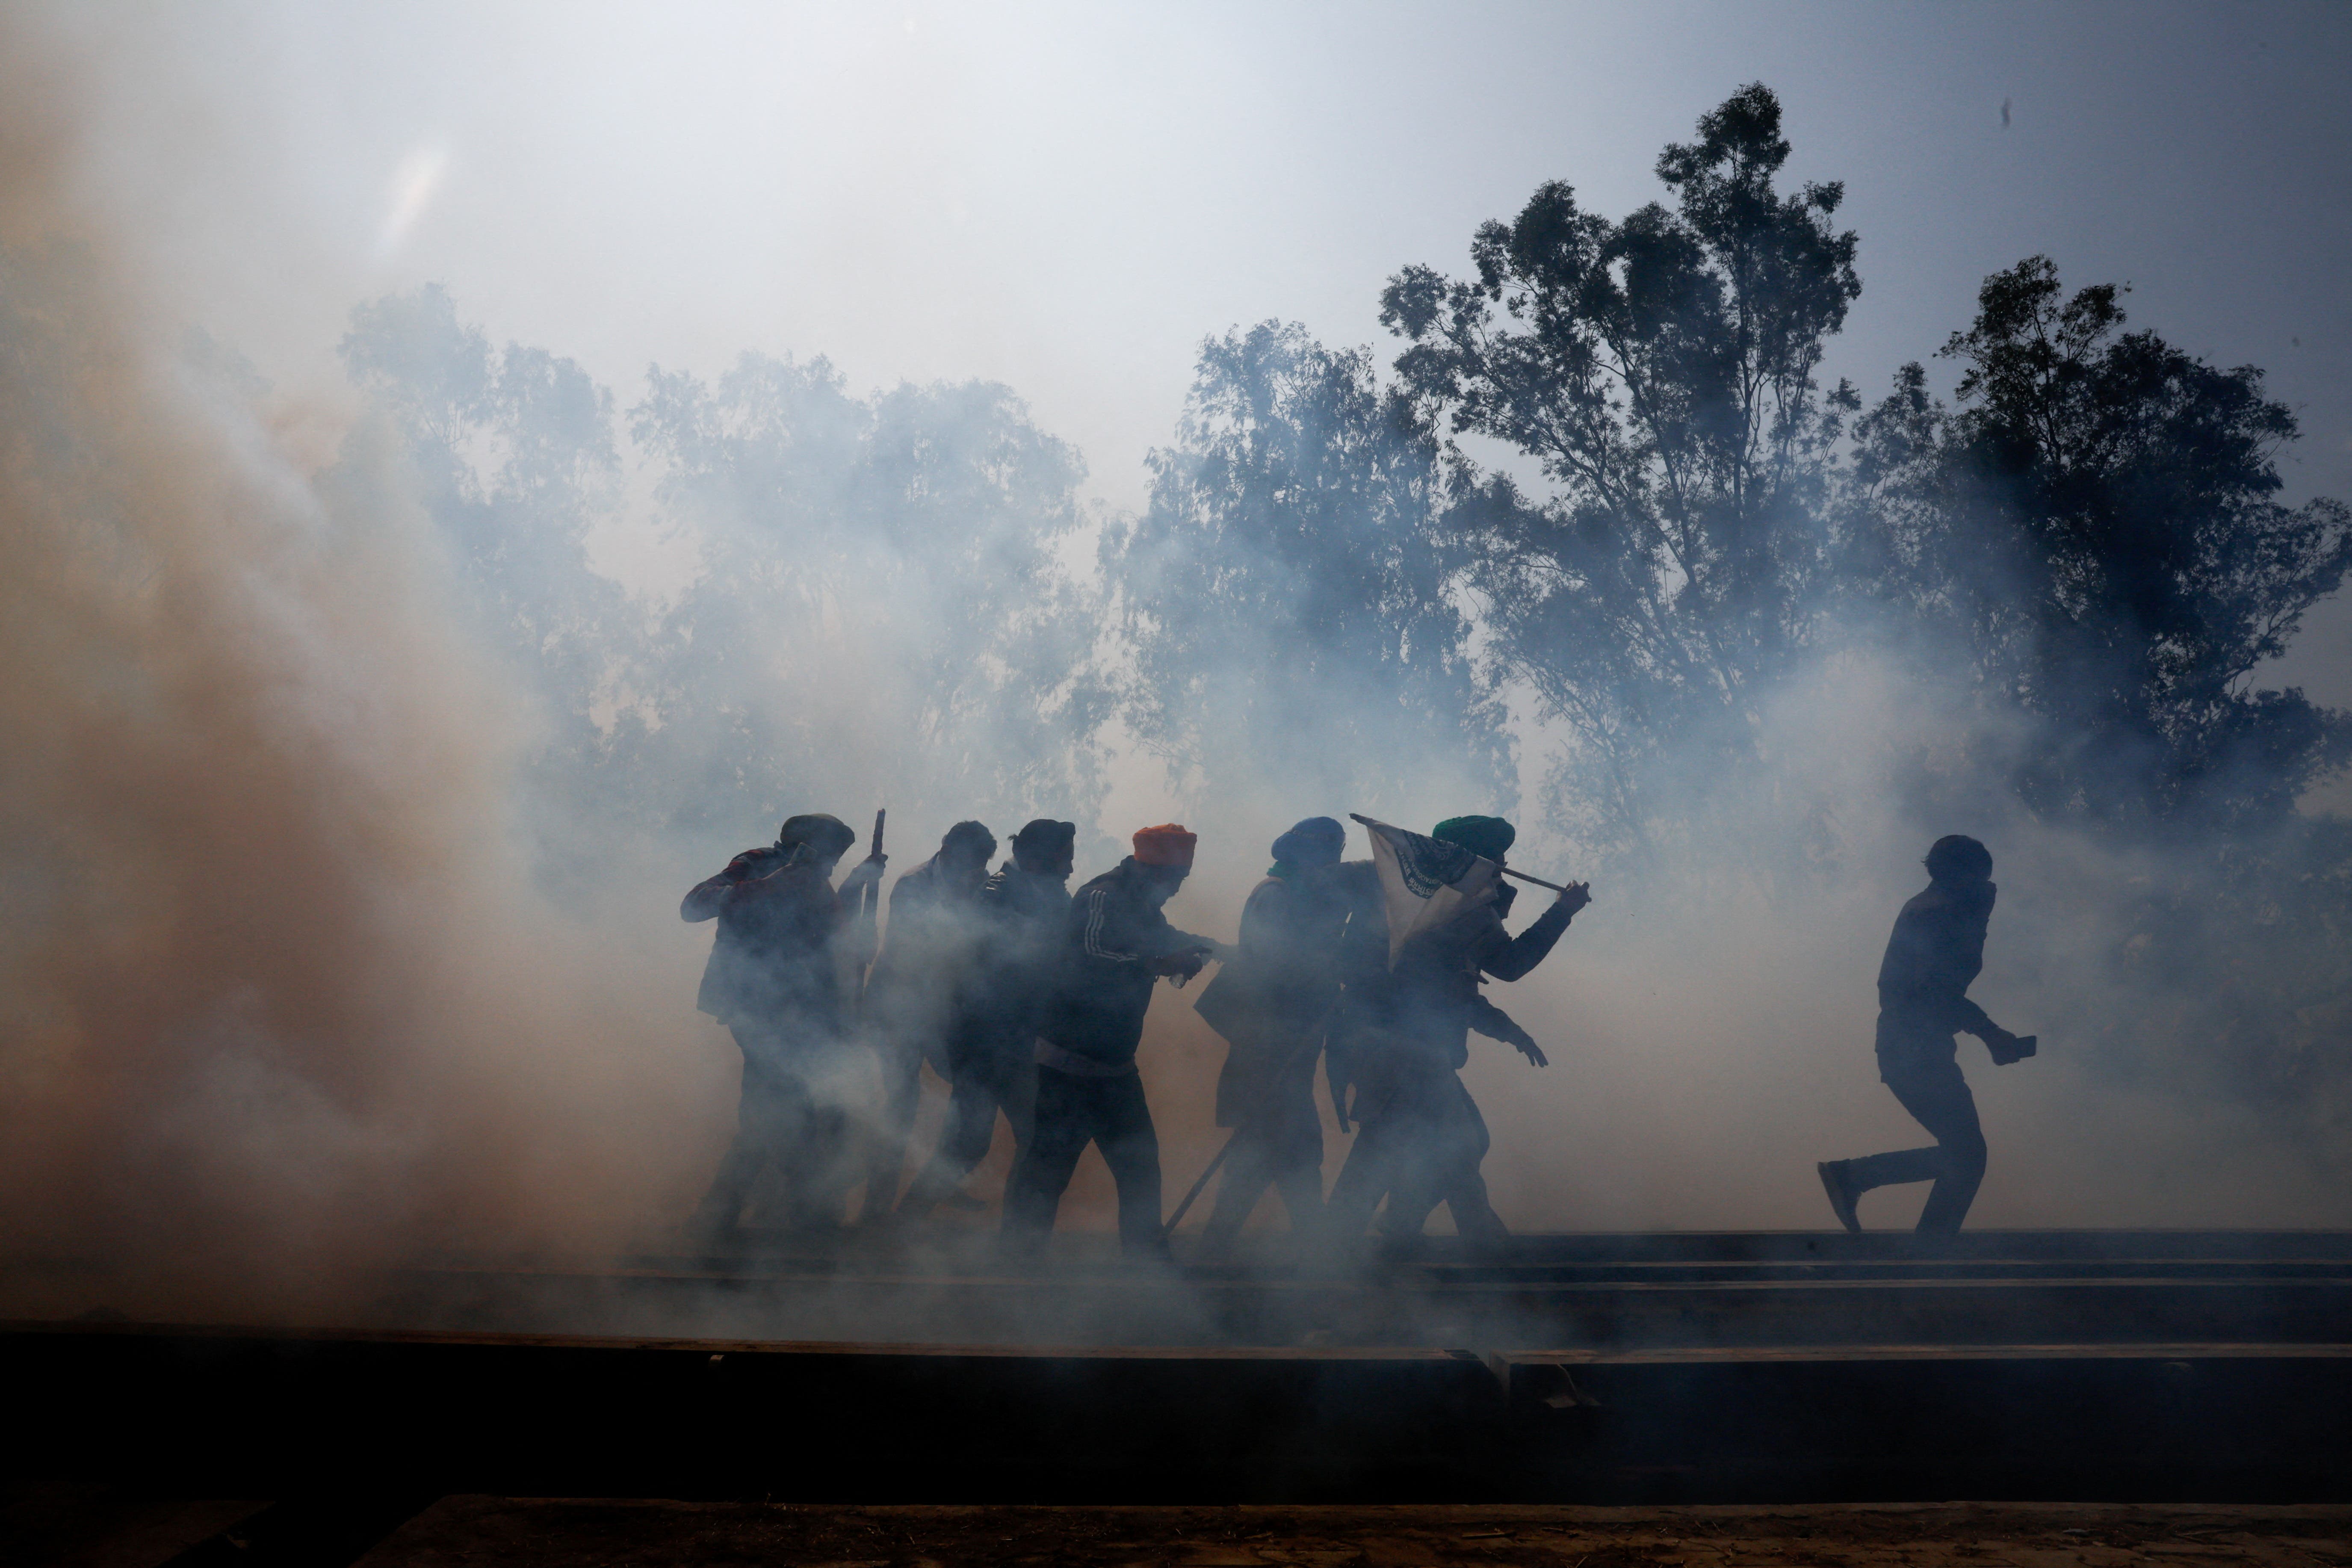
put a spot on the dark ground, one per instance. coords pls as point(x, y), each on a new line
point(496, 1532)
point(101, 1531)
point(1737, 1400)
point(502, 1531)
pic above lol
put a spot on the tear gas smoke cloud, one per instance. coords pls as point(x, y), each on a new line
point(338, 932)
point(1715, 1031)
point(279, 997)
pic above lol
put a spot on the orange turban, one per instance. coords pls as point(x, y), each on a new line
point(1166, 845)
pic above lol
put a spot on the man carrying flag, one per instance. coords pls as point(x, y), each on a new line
point(1421, 1138)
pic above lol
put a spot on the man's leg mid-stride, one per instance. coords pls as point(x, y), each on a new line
point(1131, 1147)
point(1061, 1129)
point(1940, 1101)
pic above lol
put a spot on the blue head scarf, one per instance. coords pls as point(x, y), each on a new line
point(1312, 844)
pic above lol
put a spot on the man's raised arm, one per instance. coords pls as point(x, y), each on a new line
point(708, 897)
point(1521, 953)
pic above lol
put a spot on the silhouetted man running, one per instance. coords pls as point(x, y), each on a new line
point(912, 995)
point(1270, 1005)
point(1115, 945)
point(775, 979)
point(1024, 909)
point(1421, 1138)
point(1938, 949)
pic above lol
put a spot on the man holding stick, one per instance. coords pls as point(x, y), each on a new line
point(1270, 1005)
point(777, 978)
point(914, 991)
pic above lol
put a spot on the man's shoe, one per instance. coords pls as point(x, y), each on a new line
point(1841, 1195)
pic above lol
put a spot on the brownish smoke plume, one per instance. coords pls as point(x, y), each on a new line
point(276, 998)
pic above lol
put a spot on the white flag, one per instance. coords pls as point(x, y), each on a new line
point(1424, 881)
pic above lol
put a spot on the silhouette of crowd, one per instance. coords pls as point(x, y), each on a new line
point(1028, 1000)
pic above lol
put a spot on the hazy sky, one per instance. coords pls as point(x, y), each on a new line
point(1066, 198)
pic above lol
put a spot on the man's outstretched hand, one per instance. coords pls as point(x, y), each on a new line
point(1575, 896)
point(865, 873)
point(1527, 1048)
point(2006, 1048)
point(1182, 965)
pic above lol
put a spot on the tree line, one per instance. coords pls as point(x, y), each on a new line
point(1598, 480)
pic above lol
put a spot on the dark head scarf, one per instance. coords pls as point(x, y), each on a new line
point(1489, 837)
point(1956, 856)
point(970, 838)
point(1310, 845)
point(1043, 841)
point(826, 838)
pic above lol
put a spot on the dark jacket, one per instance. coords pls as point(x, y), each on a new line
point(1937, 949)
point(1024, 917)
point(1432, 991)
point(1286, 971)
point(1363, 964)
point(933, 924)
point(1278, 988)
point(1102, 985)
point(1027, 913)
point(772, 963)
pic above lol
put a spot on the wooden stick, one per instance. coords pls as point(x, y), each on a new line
point(1310, 1047)
point(1177, 1217)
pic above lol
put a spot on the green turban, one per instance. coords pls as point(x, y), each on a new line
point(1489, 837)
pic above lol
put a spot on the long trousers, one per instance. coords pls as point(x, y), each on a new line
point(1420, 1145)
point(781, 1119)
point(1279, 1146)
point(899, 1054)
point(1266, 1094)
point(1072, 1112)
point(991, 1076)
point(1937, 1098)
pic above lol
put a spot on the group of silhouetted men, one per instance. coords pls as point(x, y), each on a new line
point(1029, 1001)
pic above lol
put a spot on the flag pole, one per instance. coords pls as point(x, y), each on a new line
point(1505, 870)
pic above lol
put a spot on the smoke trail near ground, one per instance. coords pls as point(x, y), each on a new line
point(280, 994)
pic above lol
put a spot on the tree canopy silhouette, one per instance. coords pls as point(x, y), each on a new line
point(879, 584)
point(2099, 521)
point(1660, 371)
point(1287, 598)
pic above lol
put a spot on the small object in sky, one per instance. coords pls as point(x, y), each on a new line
point(2004, 114)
